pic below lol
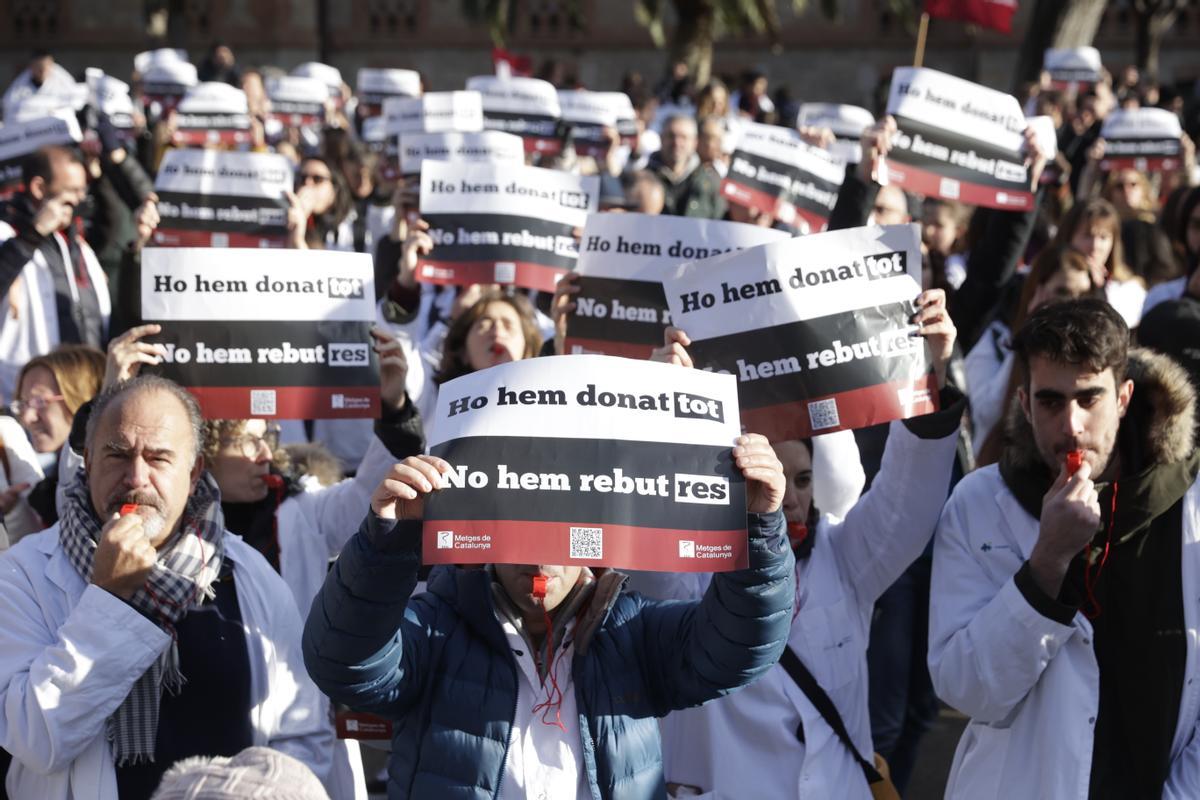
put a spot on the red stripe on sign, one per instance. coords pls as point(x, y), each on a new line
point(198, 137)
point(625, 349)
point(815, 222)
point(518, 273)
point(169, 237)
point(930, 184)
point(857, 408)
point(518, 542)
point(1142, 163)
point(748, 197)
point(287, 402)
point(542, 145)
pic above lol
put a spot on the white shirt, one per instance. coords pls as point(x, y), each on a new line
point(544, 762)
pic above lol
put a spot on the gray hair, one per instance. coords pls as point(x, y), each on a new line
point(687, 118)
point(147, 383)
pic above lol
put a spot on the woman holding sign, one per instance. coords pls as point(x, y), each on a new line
point(803, 730)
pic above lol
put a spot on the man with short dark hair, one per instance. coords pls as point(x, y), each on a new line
point(55, 287)
point(136, 632)
point(690, 188)
point(1064, 608)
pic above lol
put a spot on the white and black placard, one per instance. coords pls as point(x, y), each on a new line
point(165, 82)
point(434, 112)
point(588, 460)
point(1145, 139)
point(588, 113)
point(217, 198)
point(1073, 67)
point(18, 140)
point(375, 86)
point(957, 140)
point(621, 309)
point(502, 223)
point(775, 171)
point(485, 146)
point(527, 107)
point(212, 113)
point(298, 102)
point(817, 329)
point(266, 333)
point(846, 121)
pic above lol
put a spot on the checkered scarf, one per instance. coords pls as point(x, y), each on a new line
point(186, 569)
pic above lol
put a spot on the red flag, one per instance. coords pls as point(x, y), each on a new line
point(994, 14)
point(519, 66)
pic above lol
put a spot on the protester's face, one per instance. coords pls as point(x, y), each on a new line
point(517, 580)
point(678, 141)
point(1095, 241)
point(316, 180)
point(1071, 408)
point(243, 461)
point(940, 230)
point(708, 147)
point(891, 207)
point(1191, 231)
point(797, 469)
point(39, 69)
point(68, 183)
point(143, 452)
point(1129, 191)
point(647, 197)
point(496, 337)
point(1066, 284)
point(223, 57)
point(44, 415)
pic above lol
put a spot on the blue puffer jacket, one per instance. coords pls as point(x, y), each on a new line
point(440, 666)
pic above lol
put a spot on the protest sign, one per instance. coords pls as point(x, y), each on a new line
point(146, 59)
point(165, 81)
point(621, 309)
point(489, 146)
point(435, 112)
point(502, 223)
point(817, 329)
point(298, 102)
point(375, 86)
point(266, 333)
point(847, 123)
point(1076, 68)
point(589, 113)
point(778, 173)
point(330, 76)
point(216, 198)
point(1145, 139)
point(588, 460)
point(48, 102)
point(110, 97)
point(994, 14)
point(212, 113)
point(957, 140)
point(527, 107)
point(18, 140)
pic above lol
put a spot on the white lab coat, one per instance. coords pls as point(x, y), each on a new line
point(1030, 685)
point(988, 368)
point(32, 328)
point(745, 745)
point(70, 652)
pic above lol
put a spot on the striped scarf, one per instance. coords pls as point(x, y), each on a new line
point(187, 566)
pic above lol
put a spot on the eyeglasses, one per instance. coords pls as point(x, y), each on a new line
point(311, 177)
point(249, 445)
point(39, 403)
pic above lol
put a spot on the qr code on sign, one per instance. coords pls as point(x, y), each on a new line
point(587, 542)
point(823, 414)
point(262, 402)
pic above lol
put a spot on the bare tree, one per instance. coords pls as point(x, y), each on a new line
point(1152, 19)
point(1055, 23)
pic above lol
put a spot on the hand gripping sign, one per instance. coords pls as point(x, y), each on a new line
point(502, 223)
point(621, 309)
point(817, 329)
point(282, 334)
point(588, 460)
point(957, 140)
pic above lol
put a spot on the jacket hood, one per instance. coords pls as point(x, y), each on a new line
point(1158, 428)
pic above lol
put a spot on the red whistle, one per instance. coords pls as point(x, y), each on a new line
point(1074, 461)
point(497, 349)
point(539, 586)
point(797, 532)
point(128, 508)
point(273, 481)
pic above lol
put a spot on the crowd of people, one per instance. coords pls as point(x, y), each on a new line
point(188, 604)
